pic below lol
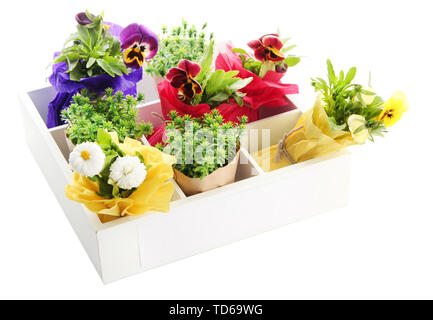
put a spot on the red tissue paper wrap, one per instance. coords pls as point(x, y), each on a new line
point(268, 92)
point(169, 101)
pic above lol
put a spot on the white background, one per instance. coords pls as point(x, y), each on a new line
point(380, 246)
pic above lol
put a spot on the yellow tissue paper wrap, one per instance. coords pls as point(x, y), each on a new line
point(312, 137)
point(154, 194)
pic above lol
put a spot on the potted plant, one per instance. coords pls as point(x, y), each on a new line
point(181, 42)
point(267, 66)
point(345, 113)
point(117, 179)
point(114, 112)
point(206, 149)
point(99, 55)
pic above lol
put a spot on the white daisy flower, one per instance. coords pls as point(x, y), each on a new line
point(87, 159)
point(128, 172)
point(354, 122)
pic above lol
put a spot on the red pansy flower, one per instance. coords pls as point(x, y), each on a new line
point(267, 48)
point(182, 78)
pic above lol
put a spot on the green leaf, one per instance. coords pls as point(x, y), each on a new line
point(113, 64)
point(284, 40)
point(105, 189)
point(90, 62)
point(265, 67)
point(377, 101)
point(240, 50)
point(115, 47)
point(105, 66)
point(110, 157)
point(219, 97)
point(205, 64)
point(115, 191)
point(84, 35)
point(292, 61)
point(287, 49)
point(241, 83)
point(350, 75)
point(72, 59)
point(60, 58)
point(238, 100)
point(367, 92)
point(334, 126)
point(359, 129)
point(76, 75)
point(331, 73)
point(140, 156)
point(214, 83)
point(104, 139)
point(72, 37)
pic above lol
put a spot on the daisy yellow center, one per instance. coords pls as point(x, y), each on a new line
point(85, 155)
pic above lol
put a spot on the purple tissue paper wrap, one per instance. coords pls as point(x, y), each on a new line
point(67, 88)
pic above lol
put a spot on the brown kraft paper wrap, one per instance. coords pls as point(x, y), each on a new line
point(218, 178)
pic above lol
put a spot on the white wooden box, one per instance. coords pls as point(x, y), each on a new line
point(255, 203)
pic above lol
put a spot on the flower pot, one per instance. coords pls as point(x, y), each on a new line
point(220, 177)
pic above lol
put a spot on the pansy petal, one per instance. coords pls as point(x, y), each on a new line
point(260, 53)
point(274, 55)
point(129, 35)
point(255, 44)
point(269, 34)
point(178, 80)
point(133, 58)
point(196, 86)
point(187, 90)
point(174, 72)
point(151, 39)
point(272, 41)
point(191, 68)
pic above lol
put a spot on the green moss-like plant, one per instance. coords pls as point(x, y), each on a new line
point(214, 141)
point(181, 42)
point(114, 112)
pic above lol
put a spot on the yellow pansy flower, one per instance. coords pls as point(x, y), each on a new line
point(393, 109)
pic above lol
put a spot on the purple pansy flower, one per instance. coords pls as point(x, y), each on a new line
point(139, 43)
